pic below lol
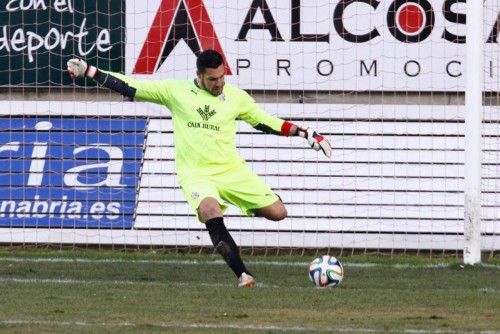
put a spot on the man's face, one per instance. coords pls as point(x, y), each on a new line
point(212, 80)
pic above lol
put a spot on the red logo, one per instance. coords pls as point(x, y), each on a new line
point(177, 20)
point(410, 18)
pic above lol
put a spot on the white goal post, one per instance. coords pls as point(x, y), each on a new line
point(473, 119)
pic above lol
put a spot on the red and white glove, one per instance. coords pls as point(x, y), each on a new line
point(78, 68)
point(316, 140)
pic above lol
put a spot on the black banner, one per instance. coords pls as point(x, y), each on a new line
point(37, 37)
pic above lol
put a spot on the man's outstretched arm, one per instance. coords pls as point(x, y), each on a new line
point(315, 139)
point(267, 123)
point(288, 129)
point(150, 90)
point(79, 68)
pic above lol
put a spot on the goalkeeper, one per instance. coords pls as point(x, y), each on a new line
point(211, 174)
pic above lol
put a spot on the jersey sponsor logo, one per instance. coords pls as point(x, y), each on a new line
point(205, 112)
point(178, 20)
point(207, 126)
point(69, 172)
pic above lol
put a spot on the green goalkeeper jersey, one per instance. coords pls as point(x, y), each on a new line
point(204, 125)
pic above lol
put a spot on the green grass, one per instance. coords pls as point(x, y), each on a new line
point(147, 292)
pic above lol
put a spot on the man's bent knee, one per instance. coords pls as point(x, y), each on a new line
point(275, 212)
point(278, 214)
point(209, 208)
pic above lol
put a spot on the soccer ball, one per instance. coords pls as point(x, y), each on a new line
point(326, 271)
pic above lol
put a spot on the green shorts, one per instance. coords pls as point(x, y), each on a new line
point(238, 186)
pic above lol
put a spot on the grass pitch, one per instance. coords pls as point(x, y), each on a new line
point(116, 292)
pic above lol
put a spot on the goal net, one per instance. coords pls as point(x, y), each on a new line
point(383, 80)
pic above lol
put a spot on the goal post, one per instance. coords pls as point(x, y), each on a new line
point(473, 120)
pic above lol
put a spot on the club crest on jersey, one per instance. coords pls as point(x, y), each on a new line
point(205, 112)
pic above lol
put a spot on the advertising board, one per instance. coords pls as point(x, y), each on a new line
point(69, 172)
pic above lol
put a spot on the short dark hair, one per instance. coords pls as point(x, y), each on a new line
point(208, 59)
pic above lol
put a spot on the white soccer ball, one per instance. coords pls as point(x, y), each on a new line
point(326, 271)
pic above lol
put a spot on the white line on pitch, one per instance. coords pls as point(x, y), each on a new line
point(253, 327)
point(220, 262)
point(181, 284)
point(163, 325)
point(125, 282)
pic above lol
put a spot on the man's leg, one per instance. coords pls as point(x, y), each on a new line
point(246, 190)
point(275, 211)
point(209, 208)
point(210, 213)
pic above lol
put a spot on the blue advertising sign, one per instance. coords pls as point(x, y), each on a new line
point(69, 172)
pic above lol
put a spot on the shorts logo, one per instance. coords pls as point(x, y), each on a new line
point(195, 195)
point(206, 113)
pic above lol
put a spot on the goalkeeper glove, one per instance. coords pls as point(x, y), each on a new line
point(316, 140)
point(78, 68)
